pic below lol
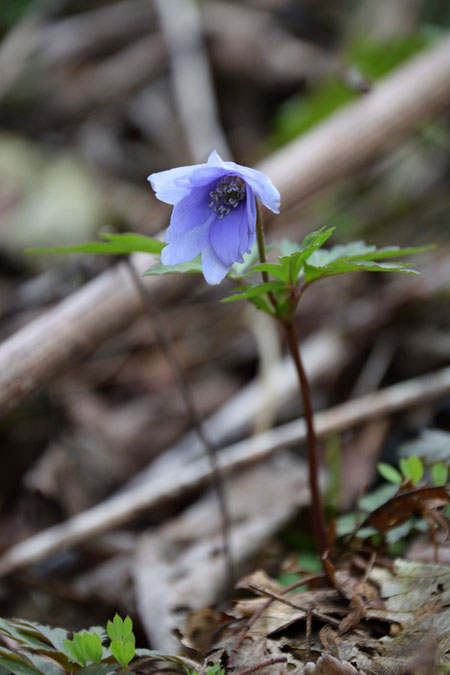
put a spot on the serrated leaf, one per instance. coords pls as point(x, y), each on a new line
point(313, 273)
point(412, 468)
point(55, 636)
point(116, 244)
point(44, 665)
point(389, 472)
point(9, 629)
point(439, 473)
point(191, 267)
point(17, 667)
point(254, 290)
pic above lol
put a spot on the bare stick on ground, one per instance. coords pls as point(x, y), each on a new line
point(124, 507)
point(32, 358)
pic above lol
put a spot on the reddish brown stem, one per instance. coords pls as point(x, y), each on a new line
point(320, 534)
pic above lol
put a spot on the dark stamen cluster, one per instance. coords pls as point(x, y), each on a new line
point(227, 195)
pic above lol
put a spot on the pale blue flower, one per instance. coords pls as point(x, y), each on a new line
point(214, 212)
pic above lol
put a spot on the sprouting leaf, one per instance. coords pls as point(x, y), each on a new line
point(412, 468)
point(389, 472)
point(439, 473)
point(92, 647)
point(432, 446)
point(192, 266)
point(123, 652)
point(254, 290)
point(74, 651)
point(116, 244)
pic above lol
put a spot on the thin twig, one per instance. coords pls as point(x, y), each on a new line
point(254, 618)
point(320, 534)
point(194, 418)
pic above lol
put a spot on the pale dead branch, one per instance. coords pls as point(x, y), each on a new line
point(124, 507)
point(73, 329)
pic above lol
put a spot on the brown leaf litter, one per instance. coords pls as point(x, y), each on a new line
point(395, 622)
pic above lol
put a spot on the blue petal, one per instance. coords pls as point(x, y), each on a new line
point(224, 235)
point(213, 269)
point(172, 185)
point(189, 212)
point(248, 238)
point(215, 159)
point(262, 186)
point(165, 186)
point(187, 245)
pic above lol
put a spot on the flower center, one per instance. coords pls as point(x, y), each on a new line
point(227, 195)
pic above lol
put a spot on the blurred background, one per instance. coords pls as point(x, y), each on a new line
point(94, 96)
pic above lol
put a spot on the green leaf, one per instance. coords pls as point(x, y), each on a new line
point(239, 270)
point(97, 669)
point(127, 627)
point(92, 647)
point(254, 290)
point(376, 498)
point(341, 267)
point(32, 630)
point(278, 271)
point(117, 244)
point(389, 472)
point(74, 651)
point(123, 652)
point(15, 664)
point(432, 446)
point(43, 664)
point(412, 468)
point(192, 266)
point(264, 305)
point(439, 473)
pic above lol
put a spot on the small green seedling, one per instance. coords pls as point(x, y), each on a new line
point(84, 647)
point(123, 642)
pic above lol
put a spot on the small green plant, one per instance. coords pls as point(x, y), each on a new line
point(216, 669)
point(85, 647)
point(412, 468)
point(123, 642)
point(50, 651)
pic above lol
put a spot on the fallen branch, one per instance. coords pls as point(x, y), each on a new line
point(73, 329)
point(124, 507)
point(352, 136)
